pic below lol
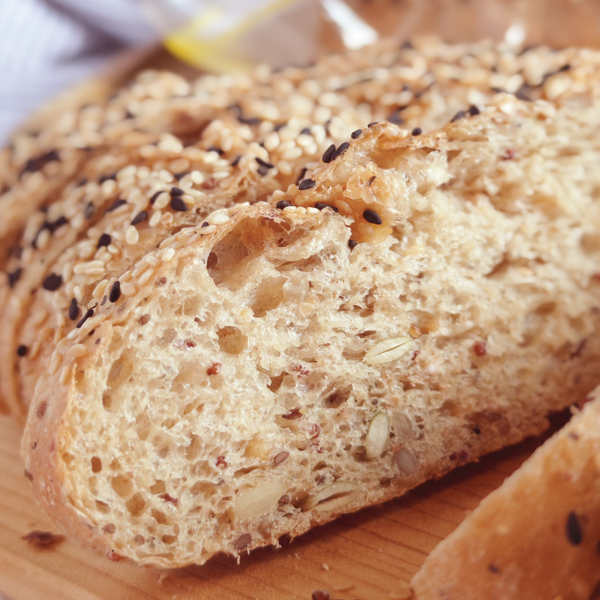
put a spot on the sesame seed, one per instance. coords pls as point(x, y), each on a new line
point(155, 196)
point(322, 205)
point(115, 292)
point(116, 204)
point(175, 191)
point(234, 163)
point(356, 134)
point(417, 131)
point(181, 175)
point(218, 219)
point(128, 288)
point(395, 118)
point(155, 220)
point(573, 529)
point(52, 282)
point(215, 149)
point(473, 110)
point(352, 244)
point(341, 149)
point(307, 184)
point(162, 202)
point(89, 210)
point(89, 313)
point(77, 351)
point(282, 204)
point(73, 309)
point(139, 218)
point(14, 277)
point(372, 217)
point(459, 115)
point(22, 350)
point(264, 163)
point(178, 204)
point(132, 236)
point(168, 255)
point(371, 180)
point(262, 170)
point(372, 124)
point(105, 240)
point(104, 178)
point(301, 176)
point(328, 154)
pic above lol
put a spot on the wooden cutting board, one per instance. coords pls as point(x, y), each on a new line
point(370, 555)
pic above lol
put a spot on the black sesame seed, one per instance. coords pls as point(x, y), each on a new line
point(322, 205)
point(341, 149)
point(106, 178)
point(372, 217)
point(262, 170)
point(305, 131)
point(53, 226)
point(459, 115)
point(14, 277)
point(326, 158)
point(22, 350)
point(307, 184)
point(236, 160)
point(279, 126)
point(178, 204)
point(81, 183)
point(493, 568)
point(301, 176)
point(175, 191)
point(155, 196)
point(251, 121)
point(115, 292)
point(179, 176)
point(205, 224)
point(283, 204)
point(88, 213)
point(52, 282)
point(105, 240)
point(417, 131)
point(473, 110)
point(116, 205)
point(407, 45)
point(372, 124)
point(73, 309)
point(356, 134)
point(573, 529)
point(88, 314)
point(476, 430)
point(215, 149)
point(104, 299)
point(371, 180)
point(139, 218)
point(395, 118)
point(352, 244)
point(264, 163)
point(35, 164)
point(524, 93)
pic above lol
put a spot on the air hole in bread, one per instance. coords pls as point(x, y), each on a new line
point(169, 539)
point(96, 463)
point(276, 382)
point(122, 485)
point(136, 504)
point(191, 375)
point(231, 340)
point(193, 449)
point(160, 517)
point(268, 296)
point(159, 487)
point(337, 397)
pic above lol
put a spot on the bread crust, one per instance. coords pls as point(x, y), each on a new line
point(537, 535)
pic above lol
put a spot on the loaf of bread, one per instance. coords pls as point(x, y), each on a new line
point(419, 300)
point(66, 232)
point(537, 536)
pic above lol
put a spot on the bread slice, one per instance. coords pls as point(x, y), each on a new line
point(536, 536)
point(422, 300)
point(148, 135)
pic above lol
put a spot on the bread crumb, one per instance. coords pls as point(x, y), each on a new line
point(325, 566)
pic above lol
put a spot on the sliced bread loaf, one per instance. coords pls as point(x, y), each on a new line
point(537, 536)
point(419, 301)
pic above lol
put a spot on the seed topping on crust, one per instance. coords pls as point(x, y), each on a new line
point(372, 217)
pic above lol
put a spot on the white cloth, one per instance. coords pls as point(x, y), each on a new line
point(47, 45)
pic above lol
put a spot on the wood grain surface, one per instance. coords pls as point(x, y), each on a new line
point(370, 555)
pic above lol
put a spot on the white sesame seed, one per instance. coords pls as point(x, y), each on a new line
point(76, 351)
point(83, 268)
point(165, 176)
point(146, 277)
point(152, 260)
point(55, 363)
point(144, 172)
point(218, 219)
point(292, 154)
point(132, 236)
point(125, 277)
point(78, 293)
point(209, 229)
point(128, 289)
point(42, 239)
point(155, 219)
point(162, 201)
point(311, 210)
point(197, 177)
point(113, 250)
point(289, 209)
point(34, 350)
point(127, 172)
point(40, 317)
point(64, 375)
point(108, 187)
point(168, 255)
point(195, 193)
point(301, 210)
point(210, 157)
point(284, 167)
point(100, 289)
point(272, 141)
point(221, 174)
point(167, 219)
point(73, 334)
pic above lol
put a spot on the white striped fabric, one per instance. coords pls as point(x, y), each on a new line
point(46, 45)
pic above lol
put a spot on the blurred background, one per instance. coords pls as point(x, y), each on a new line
point(46, 46)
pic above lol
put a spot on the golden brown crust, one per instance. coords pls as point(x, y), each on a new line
point(537, 536)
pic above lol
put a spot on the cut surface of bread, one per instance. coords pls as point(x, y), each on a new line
point(418, 302)
point(537, 536)
point(223, 141)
